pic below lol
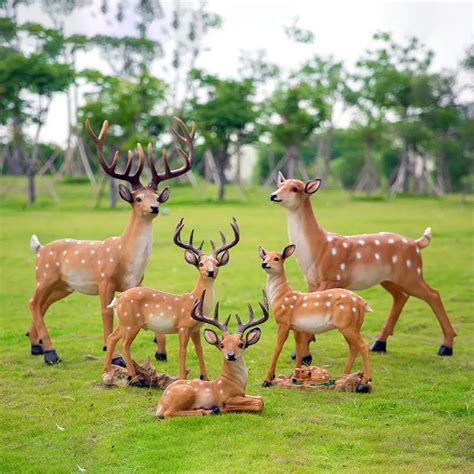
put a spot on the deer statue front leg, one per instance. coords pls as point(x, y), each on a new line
point(282, 336)
point(160, 354)
point(244, 403)
point(106, 293)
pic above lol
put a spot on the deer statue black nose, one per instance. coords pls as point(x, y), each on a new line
point(211, 273)
point(231, 356)
point(272, 197)
point(264, 265)
point(154, 209)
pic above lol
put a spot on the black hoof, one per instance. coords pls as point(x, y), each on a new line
point(307, 359)
point(51, 357)
point(203, 377)
point(293, 355)
point(361, 388)
point(104, 348)
point(215, 410)
point(379, 346)
point(36, 349)
point(161, 356)
point(119, 361)
point(138, 383)
point(445, 351)
point(266, 383)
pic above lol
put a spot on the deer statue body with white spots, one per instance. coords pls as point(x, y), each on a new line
point(313, 313)
point(103, 267)
point(226, 393)
point(357, 262)
point(166, 313)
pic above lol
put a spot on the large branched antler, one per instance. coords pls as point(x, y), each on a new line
point(252, 322)
point(187, 139)
point(190, 246)
point(197, 314)
point(226, 246)
point(134, 179)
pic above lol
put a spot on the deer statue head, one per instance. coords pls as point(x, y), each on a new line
point(145, 200)
point(232, 346)
point(207, 265)
point(292, 193)
point(274, 262)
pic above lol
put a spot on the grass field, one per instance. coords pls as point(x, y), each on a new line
point(61, 419)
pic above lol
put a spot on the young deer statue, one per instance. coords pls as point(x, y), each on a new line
point(227, 392)
point(166, 313)
point(313, 313)
point(357, 262)
point(103, 267)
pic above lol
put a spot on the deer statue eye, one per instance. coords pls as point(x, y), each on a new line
point(295, 189)
point(221, 345)
point(138, 199)
point(277, 259)
point(241, 345)
point(201, 264)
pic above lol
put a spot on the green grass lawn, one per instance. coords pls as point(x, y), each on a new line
point(418, 419)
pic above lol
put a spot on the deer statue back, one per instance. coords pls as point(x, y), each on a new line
point(357, 262)
point(227, 392)
point(103, 267)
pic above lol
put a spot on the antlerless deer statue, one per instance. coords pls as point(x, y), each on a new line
point(103, 267)
point(357, 262)
point(227, 392)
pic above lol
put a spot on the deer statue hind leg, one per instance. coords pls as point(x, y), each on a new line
point(399, 300)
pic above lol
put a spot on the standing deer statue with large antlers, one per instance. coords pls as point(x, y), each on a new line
point(357, 262)
point(103, 267)
point(313, 313)
point(227, 392)
point(166, 313)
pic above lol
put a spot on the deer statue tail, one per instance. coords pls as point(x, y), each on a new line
point(35, 244)
point(425, 239)
point(367, 308)
point(113, 304)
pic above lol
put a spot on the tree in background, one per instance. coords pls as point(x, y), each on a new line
point(226, 114)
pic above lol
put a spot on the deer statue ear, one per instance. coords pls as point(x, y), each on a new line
point(125, 193)
point(223, 258)
point(191, 258)
point(262, 252)
point(289, 251)
point(164, 195)
point(252, 337)
point(281, 178)
point(312, 186)
point(211, 337)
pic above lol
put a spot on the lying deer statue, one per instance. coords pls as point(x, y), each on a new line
point(227, 392)
point(313, 313)
point(103, 267)
point(357, 262)
point(166, 313)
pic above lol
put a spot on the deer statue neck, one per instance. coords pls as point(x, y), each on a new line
point(305, 232)
point(208, 285)
point(235, 373)
point(137, 239)
point(277, 285)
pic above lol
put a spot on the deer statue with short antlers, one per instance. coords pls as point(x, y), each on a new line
point(226, 393)
point(166, 313)
point(357, 262)
point(103, 267)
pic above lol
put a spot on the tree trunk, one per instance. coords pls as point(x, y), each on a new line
point(368, 179)
point(221, 164)
point(327, 153)
point(113, 193)
point(293, 157)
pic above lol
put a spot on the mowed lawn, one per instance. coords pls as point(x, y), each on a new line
point(61, 418)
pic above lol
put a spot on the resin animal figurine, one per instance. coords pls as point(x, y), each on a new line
point(227, 392)
point(357, 262)
point(311, 375)
point(313, 313)
point(166, 313)
point(103, 267)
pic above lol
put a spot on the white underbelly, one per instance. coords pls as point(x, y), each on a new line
point(314, 324)
point(204, 398)
point(162, 324)
point(82, 281)
point(365, 276)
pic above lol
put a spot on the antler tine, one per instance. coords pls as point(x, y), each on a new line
point(187, 139)
point(252, 322)
point(225, 245)
point(178, 241)
point(134, 180)
point(196, 313)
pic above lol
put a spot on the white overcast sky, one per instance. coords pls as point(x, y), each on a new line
point(342, 29)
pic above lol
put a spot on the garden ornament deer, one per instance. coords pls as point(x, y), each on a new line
point(313, 313)
point(166, 313)
point(103, 267)
point(227, 392)
point(357, 262)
